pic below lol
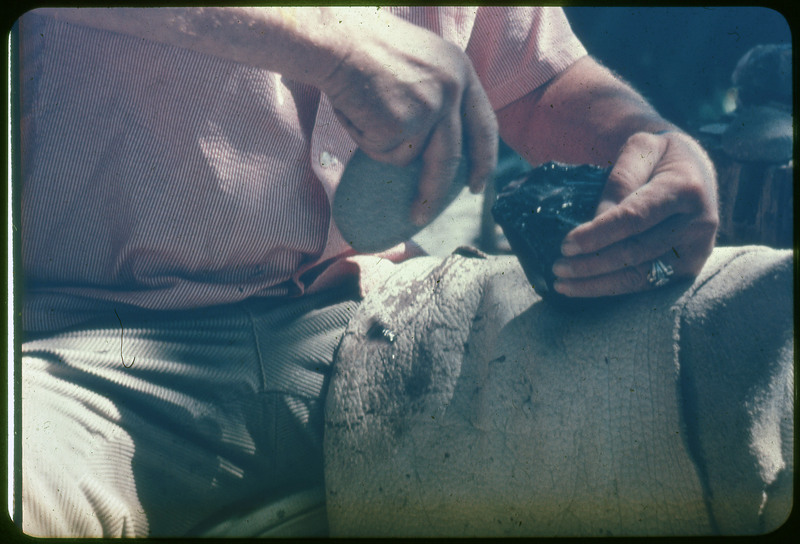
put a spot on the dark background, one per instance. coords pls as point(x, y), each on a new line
point(680, 58)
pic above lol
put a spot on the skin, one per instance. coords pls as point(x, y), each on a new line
point(402, 92)
point(660, 201)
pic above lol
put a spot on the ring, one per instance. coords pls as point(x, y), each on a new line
point(659, 273)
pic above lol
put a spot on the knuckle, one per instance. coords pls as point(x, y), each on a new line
point(642, 139)
point(634, 220)
point(632, 278)
point(452, 83)
point(377, 140)
point(631, 252)
point(583, 267)
point(693, 191)
point(644, 144)
point(451, 80)
point(709, 224)
point(703, 222)
point(622, 182)
point(405, 121)
point(649, 145)
point(621, 174)
point(714, 222)
point(400, 156)
point(426, 108)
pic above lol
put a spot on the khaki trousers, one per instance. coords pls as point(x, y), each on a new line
point(178, 423)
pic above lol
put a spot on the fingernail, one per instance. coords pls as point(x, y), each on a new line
point(559, 287)
point(562, 268)
point(477, 187)
point(570, 248)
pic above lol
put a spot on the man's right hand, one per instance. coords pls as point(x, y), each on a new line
point(401, 92)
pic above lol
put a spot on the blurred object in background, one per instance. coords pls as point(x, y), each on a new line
point(755, 203)
point(752, 148)
point(764, 76)
point(761, 128)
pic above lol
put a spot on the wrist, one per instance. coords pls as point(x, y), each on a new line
point(347, 39)
point(306, 44)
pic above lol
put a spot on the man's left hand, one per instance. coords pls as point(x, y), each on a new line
point(660, 203)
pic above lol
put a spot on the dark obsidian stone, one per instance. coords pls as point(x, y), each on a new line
point(536, 212)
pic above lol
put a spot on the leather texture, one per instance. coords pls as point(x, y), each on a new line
point(461, 404)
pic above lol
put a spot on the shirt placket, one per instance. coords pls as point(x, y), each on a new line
point(331, 149)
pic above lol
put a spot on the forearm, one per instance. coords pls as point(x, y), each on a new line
point(302, 43)
point(584, 115)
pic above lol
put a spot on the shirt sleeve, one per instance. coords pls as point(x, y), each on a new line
point(517, 49)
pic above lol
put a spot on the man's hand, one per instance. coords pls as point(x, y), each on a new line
point(660, 202)
point(403, 92)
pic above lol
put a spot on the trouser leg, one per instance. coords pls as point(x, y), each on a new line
point(219, 409)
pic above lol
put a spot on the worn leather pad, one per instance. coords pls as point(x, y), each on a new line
point(461, 405)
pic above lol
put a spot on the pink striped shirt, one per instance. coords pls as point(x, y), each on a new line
point(162, 178)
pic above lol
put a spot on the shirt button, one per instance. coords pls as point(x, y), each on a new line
point(326, 160)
